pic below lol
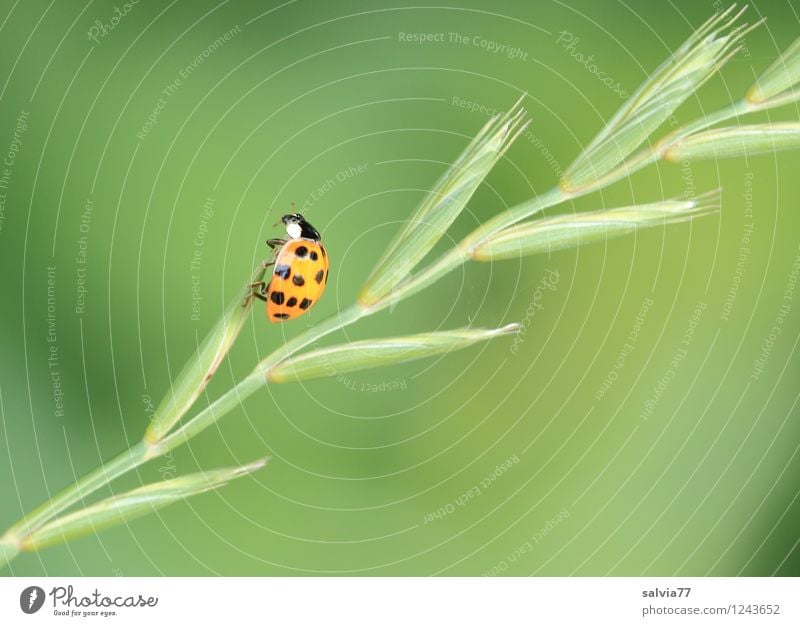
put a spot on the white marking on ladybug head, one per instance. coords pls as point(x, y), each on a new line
point(294, 230)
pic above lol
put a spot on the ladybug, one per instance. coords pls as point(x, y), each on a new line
point(300, 271)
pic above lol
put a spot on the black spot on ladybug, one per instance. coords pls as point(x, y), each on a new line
point(305, 303)
point(324, 254)
point(298, 280)
point(326, 276)
point(277, 297)
point(301, 252)
point(314, 256)
point(283, 271)
point(281, 316)
point(319, 276)
point(291, 301)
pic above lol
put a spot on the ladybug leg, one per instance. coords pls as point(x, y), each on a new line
point(259, 287)
point(258, 290)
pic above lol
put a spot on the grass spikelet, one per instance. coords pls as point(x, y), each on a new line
point(127, 506)
point(361, 355)
point(443, 204)
point(571, 231)
point(778, 84)
point(736, 141)
point(697, 60)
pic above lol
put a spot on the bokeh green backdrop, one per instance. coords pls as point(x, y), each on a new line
point(392, 471)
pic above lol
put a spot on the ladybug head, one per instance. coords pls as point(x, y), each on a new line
point(297, 227)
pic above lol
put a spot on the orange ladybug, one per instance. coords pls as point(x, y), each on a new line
point(300, 273)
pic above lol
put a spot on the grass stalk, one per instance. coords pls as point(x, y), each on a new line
point(198, 372)
point(88, 484)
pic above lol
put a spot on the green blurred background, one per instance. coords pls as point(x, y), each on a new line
point(394, 471)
